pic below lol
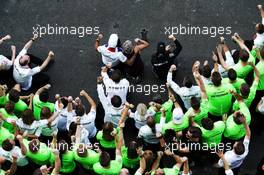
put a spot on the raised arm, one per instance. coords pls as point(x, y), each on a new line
point(141, 44)
point(7, 37)
point(248, 132)
point(97, 41)
point(22, 145)
point(89, 99)
point(13, 49)
point(57, 167)
point(175, 87)
point(125, 112)
point(119, 139)
point(226, 165)
point(131, 61)
point(40, 90)
point(142, 166)
point(13, 167)
point(178, 45)
point(100, 91)
point(219, 49)
point(30, 42)
point(240, 42)
point(199, 80)
point(261, 11)
point(54, 116)
point(47, 60)
point(256, 71)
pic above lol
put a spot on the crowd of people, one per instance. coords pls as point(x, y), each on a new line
point(206, 121)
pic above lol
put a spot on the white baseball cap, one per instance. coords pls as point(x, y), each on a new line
point(177, 116)
point(112, 42)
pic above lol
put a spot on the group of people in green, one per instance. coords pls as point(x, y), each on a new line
point(198, 123)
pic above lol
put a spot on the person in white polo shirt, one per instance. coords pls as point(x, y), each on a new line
point(236, 156)
point(186, 92)
point(112, 52)
point(86, 119)
point(23, 72)
point(115, 84)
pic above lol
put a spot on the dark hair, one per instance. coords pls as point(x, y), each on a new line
point(27, 117)
point(244, 89)
point(44, 96)
point(45, 113)
point(237, 118)
point(7, 145)
point(62, 147)
point(14, 95)
point(157, 98)
point(187, 82)
point(64, 101)
point(116, 101)
point(195, 131)
point(79, 110)
point(195, 103)
point(108, 128)
point(216, 79)
point(34, 145)
point(232, 75)
point(239, 148)
point(105, 159)
point(207, 123)
point(249, 44)
point(206, 71)
point(132, 150)
point(116, 76)
point(169, 135)
point(10, 107)
point(161, 48)
point(151, 123)
point(235, 56)
point(72, 128)
point(243, 55)
point(260, 28)
point(82, 151)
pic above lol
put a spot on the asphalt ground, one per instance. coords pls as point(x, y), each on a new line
point(77, 64)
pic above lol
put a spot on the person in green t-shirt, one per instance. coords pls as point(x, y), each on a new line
point(260, 67)
point(212, 132)
point(232, 79)
point(36, 151)
point(157, 104)
point(219, 98)
point(105, 136)
point(130, 155)
point(248, 94)
point(86, 157)
point(40, 100)
point(8, 114)
point(44, 170)
point(234, 128)
point(14, 96)
point(175, 170)
point(198, 110)
point(4, 133)
point(67, 158)
point(242, 68)
point(106, 166)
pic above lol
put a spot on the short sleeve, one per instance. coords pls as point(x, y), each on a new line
point(122, 57)
point(41, 123)
point(35, 70)
point(118, 159)
point(246, 144)
point(99, 49)
point(229, 172)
